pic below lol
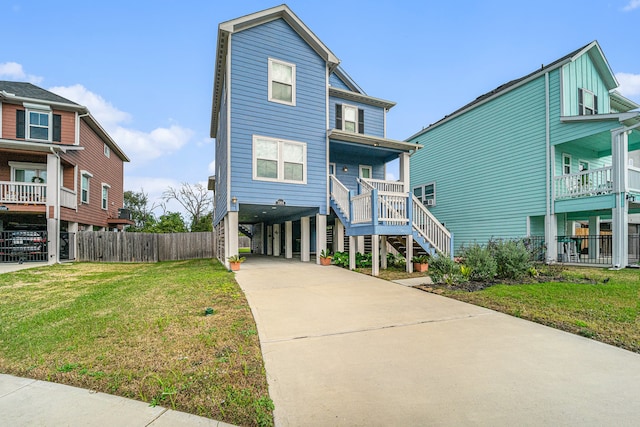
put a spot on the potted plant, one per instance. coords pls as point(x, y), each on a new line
point(420, 263)
point(235, 261)
point(325, 257)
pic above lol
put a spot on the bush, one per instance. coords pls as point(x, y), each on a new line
point(341, 259)
point(512, 258)
point(364, 260)
point(481, 262)
point(444, 270)
point(394, 260)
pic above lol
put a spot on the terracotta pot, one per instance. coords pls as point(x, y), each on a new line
point(235, 266)
point(420, 268)
point(325, 261)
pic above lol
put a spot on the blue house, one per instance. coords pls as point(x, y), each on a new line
point(552, 155)
point(301, 150)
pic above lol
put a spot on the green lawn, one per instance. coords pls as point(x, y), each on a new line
point(595, 303)
point(139, 331)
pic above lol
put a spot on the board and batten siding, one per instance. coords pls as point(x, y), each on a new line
point(222, 176)
point(578, 74)
point(373, 116)
point(488, 165)
point(252, 114)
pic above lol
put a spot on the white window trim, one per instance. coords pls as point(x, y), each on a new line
point(422, 198)
point(293, 82)
point(362, 167)
point(107, 151)
point(41, 109)
point(25, 165)
point(566, 156)
point(332, 165)
point(88, 175)
point(280, 160)
point(344, 120)
point(104, 201)
point(584, 104)
point(583, 161)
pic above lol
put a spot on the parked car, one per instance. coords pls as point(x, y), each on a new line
point(23, 245)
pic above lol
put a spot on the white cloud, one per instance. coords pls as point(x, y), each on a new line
point(138, 145)
point(629, 83)
point(212, 167)
point(14, 71)
point(633, 4)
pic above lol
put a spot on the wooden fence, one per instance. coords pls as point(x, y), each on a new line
point(143, 247)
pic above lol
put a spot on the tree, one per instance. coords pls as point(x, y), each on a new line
point(205, 223)
point(141, 214)
point(196, 199)
point(170, 222)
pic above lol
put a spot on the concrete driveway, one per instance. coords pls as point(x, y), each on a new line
point(345, 349)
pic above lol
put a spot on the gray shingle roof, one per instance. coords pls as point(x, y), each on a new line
point(28, 90)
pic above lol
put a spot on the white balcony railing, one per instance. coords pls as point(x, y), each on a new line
point(68, 198)
point(21, 192)
point(633, 179)
point(382, 185)
point(362, 212)
point(583, 184)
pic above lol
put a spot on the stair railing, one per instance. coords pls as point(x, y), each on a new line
point(340, 194)
point(428, 226)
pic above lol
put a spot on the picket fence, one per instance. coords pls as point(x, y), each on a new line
point(108, 246)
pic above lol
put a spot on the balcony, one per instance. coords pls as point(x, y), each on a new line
point(594, 182)
point(33, 194)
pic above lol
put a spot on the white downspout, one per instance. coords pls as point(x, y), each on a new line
point(57, 207)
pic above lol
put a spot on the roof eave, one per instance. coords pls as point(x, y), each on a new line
point(11, 98)
point(93, 124)
point(373, 141)
point(365, 99)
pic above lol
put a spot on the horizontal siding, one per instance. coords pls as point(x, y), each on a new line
point(68, 127)
point(373, 116)
point(221, 163)
point(349, 178)
point(252, 113)
point(334, 81)
point(488, 165)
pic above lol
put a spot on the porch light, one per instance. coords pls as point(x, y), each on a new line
point(345, 169)
point(234, 200)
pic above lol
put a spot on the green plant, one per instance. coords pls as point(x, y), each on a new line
point(421, 259)
point(341, 259)
point(325, 253)
point(465, 272)
point(481, 262)
point(512, 258)
point(395, 260)
point(364, 260)
point(444, 269)
point(236, 258)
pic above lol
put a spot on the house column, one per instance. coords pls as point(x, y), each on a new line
point(620, 213)
point(276, 239)
point(594, 238)
point(375, 255)
point(53, 208)
point(409, 252)
point(383, 252)
point(551, 237)
point(231, 234)
point(72, 229)
point(359, 244)
point(352, 252)
point(269, 239)
point(338, 236)
point(321, 235)
point(288, 239)
point(305, 238)
point(405, 176)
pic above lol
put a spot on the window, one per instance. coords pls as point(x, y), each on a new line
point(85, 178)
point(349, 118)
point(105, 196)
point(107, 150)
point(426, 193)
point(583, 165)
point(37, 122)
point(279, 160)
point(38, 125)
point(587, 102)
point(28, 172)
point(566, 164)
point(365, 171)
point(282, 82)
point(332, 168)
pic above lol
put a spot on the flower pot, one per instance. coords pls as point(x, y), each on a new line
point(325, 261)
point(235, 266)
point(420, 267)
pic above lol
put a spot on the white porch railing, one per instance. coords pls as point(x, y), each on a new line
point(382, 185)
point(430, 228)
point(392, 208)
point(340, 194)
point(586, 183)
point(633, 179)
point(68, 198)
point(361, 205)
point(21, 192)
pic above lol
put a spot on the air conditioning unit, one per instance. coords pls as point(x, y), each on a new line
point(124, 214)
point(429, 202)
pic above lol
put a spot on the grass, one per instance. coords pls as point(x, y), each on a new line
point(139, 331)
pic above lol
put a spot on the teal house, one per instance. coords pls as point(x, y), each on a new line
point(301, 149)
point(552, 155)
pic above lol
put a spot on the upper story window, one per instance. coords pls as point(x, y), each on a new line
point(105, 196)
point(566, 164)
point(84, 186)
point(279, 160)
point(107, 150)
point(37, 122)
point(349, 118)
point(426, 193)
point(282, 82)
point(587, 102)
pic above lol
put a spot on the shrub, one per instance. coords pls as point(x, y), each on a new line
point(394, 260)
point(480, 260)
point(341, 259)
point(363, 260)
point(512, 258)
point(444, 270)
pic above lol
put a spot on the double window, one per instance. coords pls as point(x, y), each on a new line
point(349, 118)
point(279, 160)
point(282, 82)
point(587, 102)
point(426, 193)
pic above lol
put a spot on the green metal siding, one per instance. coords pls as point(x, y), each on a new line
point(582, 73)
point(488, 165)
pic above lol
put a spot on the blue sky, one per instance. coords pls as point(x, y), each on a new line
point(145, 69)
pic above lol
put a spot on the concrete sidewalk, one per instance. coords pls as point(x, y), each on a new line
point(26, 402)
point(345, 349)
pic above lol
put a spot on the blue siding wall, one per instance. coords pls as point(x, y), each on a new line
point(488, 165)
point(252, 113)
point(373, 116)
point(221, 163)
point(352, 163)
point(334, 81)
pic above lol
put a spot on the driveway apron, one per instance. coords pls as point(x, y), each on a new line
point(342, 348)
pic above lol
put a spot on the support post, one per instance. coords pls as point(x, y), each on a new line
point(551, 237)
point(383, 252)
point(352, 252)
point(405, 176)
point(269, 239)
point(276, 239)
point(321, 235)
point(409, 252)
point(375, 255)
point(305, 238)
point(288, 239)
point(594, 239)
point(338, 236)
